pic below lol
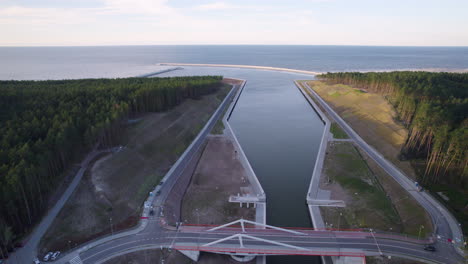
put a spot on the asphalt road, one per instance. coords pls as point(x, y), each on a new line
point(309, 243)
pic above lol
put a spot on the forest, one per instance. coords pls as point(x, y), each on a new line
point(434, 108)
point(45, 126)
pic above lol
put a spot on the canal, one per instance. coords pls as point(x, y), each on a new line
point(280, 134)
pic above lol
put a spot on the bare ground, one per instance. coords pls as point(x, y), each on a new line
point(116, 186)
point(218, 175)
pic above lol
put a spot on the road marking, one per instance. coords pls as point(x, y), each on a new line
point(76, 260)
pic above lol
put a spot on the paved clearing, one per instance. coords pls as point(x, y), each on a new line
point(218, 175)
point(116, 185)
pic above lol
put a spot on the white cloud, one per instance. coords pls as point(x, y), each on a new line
point(159, 7)
point(217, 6)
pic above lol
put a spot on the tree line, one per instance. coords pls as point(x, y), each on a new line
point(434, 107)
point(46, 125)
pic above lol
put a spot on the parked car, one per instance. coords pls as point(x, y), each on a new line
point(151, 212)
point(429, 248)
point(55, 255)
point(48, 256)
point(36, 261)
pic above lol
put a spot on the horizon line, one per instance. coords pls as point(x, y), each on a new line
point(317, 45)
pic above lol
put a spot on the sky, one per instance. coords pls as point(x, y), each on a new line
point(259, 22)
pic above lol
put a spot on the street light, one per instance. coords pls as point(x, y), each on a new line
point(110, 222)
point(419, 234)
point(339, 220)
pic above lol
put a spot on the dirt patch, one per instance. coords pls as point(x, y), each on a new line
point(371, 116)
point(113, 190)
point(170, 257)
point(218, 175)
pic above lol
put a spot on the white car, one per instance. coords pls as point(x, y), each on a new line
point(55, 255)
point(36, 261)
point(47, 256)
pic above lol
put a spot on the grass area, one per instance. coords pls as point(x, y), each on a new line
point(371, 116)
point(413, 216)
point(337, 132)
point(367, 205)
point(117, 185)
point(218, 129)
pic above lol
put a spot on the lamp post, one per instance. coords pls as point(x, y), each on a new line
point(419, 234)
point(110, 222)
point(339, 221)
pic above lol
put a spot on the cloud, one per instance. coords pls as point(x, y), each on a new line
point(217, 6)
point(159, 7)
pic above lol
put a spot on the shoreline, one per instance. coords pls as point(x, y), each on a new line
point(307, 72)
point(268, 68)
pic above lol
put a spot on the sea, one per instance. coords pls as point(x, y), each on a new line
point(39, 63)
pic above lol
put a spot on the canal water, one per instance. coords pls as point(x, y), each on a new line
point(280, 134)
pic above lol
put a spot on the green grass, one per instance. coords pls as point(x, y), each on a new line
point(337, 132)
point(370, 206)
point(149, 183)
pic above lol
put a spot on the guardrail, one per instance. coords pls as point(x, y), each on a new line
point(259, 251)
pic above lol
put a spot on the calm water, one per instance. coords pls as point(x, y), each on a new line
point(278, 130)
point(280, 134)
point(86, 62)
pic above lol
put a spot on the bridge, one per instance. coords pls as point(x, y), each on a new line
point(246, 239)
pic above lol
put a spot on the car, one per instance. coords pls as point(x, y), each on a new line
point(47, 256)
point(36, 261)
point(161, 183)
point(429, 248)
point(55, 255)
point(158, 193)
point(151, 212)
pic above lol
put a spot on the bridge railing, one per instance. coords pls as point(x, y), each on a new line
point(326, 231)
point(265, 251)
